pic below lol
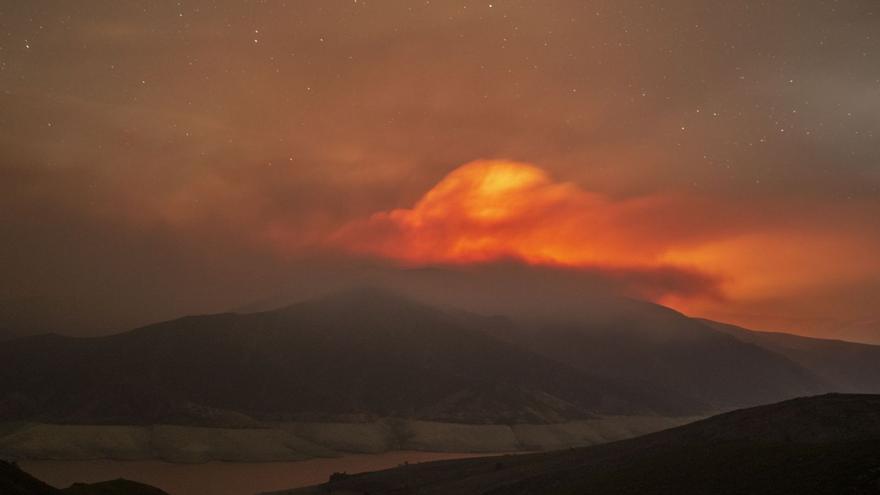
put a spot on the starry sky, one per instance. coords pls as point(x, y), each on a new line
point(161, 158)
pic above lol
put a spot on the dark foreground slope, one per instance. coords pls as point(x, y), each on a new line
point(819, 445)
point(113, 487)
point(353, 355)
point(14, 481)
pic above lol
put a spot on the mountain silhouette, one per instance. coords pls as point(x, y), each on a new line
point(371, 353)
point(355, 354)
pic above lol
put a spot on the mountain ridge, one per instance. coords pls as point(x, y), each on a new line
point(372, 353)
point(342, 355)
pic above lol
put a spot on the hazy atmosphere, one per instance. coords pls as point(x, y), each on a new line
point(439, 247)
point(165, 158)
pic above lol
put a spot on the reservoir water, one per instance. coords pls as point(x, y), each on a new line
point(224, 478)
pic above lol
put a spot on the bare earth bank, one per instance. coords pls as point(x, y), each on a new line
point(302, 441)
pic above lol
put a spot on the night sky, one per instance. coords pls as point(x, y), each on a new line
point(162, 158)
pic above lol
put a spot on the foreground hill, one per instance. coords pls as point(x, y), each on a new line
point(14, 481)
point(819, 445)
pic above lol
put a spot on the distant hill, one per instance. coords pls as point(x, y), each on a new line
point(664, 349)
point(14, 481)
point(818, 445)
point(845, 366)
point(366, 354)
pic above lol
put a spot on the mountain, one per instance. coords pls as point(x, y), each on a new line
point(365, 354)
point(817, 445)
point(663, 349)
point(14, 481)
point(356, 354)
point(845, 366)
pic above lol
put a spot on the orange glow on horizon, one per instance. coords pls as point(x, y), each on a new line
point(495, 210)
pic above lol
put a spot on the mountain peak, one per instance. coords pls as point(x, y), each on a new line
point(368, 294)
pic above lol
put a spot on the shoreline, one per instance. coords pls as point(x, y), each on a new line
point(226, 478)
point(303, 441)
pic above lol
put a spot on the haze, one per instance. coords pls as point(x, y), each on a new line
point(167, 158)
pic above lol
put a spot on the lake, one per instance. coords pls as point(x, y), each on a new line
point(224, 478)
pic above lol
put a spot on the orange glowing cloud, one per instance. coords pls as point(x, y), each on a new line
point(493, 209)
point(700, 254)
